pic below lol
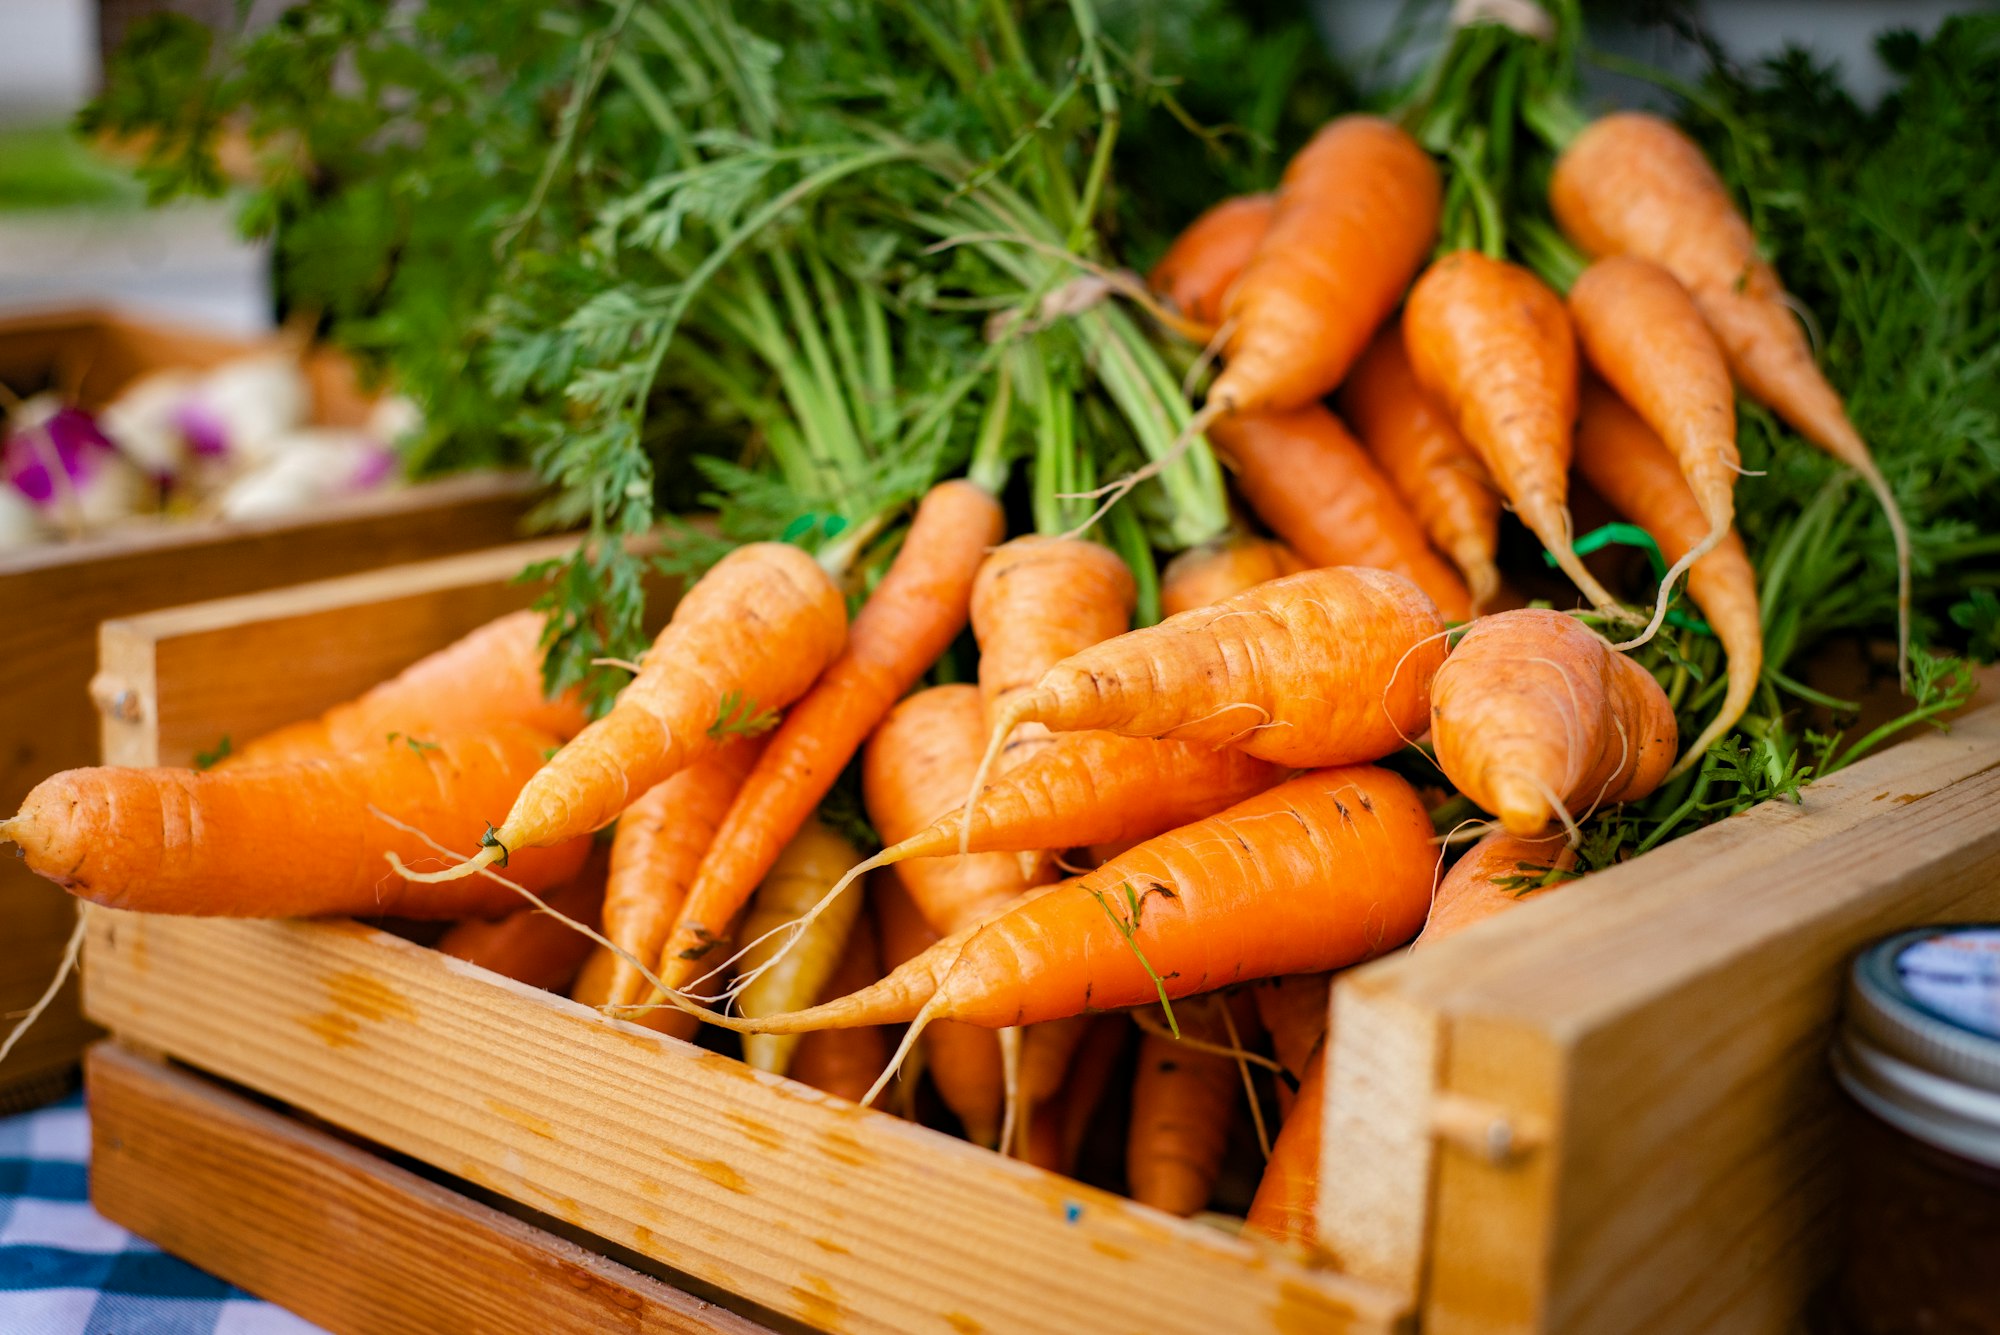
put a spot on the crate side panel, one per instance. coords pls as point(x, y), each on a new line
point(1696, 1169)
point(845, 1218)
point(338, 1235)
point(183, 679)
point(1382, 1071)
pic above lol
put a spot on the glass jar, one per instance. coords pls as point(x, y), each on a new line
point(1919, 1055)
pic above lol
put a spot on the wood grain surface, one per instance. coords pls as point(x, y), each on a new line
point(338, 1235)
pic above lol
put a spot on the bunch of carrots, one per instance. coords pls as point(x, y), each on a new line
point(1188, 821)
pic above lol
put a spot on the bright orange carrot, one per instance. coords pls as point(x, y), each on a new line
point(1286, 1206)
point(493, 675)
point(1644, 335)
point(1319, 668)
point(1431, 467)
point(1494, 875)
point(1216, 570)
point(1493, 347)
point(845, 1062)
point(1630, 467)
point(916, 765)
point(1037, 601)
point(964, 1061)
point(1060, 1123)
point(655, 852)
point(752, 634)
point(1323, 871)
point(1634, 184)
point(1183, 1102)
point(1535, 719)
point(531, 946)
point(1317, 488)
point(912, 617)
point(1356, 214)
point(1083, 788)
point(1207, 258)
point(295, 840)
point(1642, 332)
point(659, 843)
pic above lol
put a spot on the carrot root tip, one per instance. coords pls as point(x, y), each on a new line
point(1666, 594)
point(478, 862)
point(903, 1051)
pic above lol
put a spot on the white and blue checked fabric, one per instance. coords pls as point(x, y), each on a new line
point(67, 1270)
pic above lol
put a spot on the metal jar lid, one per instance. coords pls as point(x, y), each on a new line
point(1920, 1046)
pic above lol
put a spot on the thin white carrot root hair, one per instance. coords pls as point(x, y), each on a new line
point(72, 949)
point(1397, 671)
point(1143, 1017)
point(924, 1016)
point(1243, 1069)
point(1667, 581)
point(1014, 1115)
point(1468, 831)
point(645, 971)
point(797, 928)
point(1209, 352)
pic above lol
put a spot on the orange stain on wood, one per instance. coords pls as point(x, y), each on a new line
point(762, 1135)
point(521, 1117)
point(358, 998)
point(963, 1324)
point(829, 1245)
point(334, 1029)
point(1111, 1249)
point(366, 997)
point(1301, 1310)
point(819, 1304)
point(842, 1147)
point(720, 1173)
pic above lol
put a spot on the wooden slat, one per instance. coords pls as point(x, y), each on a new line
point(1401, 1021)
point(176, 682)
point(843, 1217)
point(337, 1234)
point(54, 597)
point(1383, 1062)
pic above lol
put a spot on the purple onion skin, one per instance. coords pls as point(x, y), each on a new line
point(203, 429)
point(375, 469)
point(72, 437)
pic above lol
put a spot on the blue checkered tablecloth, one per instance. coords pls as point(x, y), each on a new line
point(67, 1270)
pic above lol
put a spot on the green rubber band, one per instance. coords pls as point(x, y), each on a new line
point(1631, 535)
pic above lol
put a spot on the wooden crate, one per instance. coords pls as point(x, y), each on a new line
point(838, 1217)
point(1605, 1111)
point(338, 1235)
point(56, 595)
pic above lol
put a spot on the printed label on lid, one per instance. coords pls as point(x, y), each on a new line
point(1956, 976)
